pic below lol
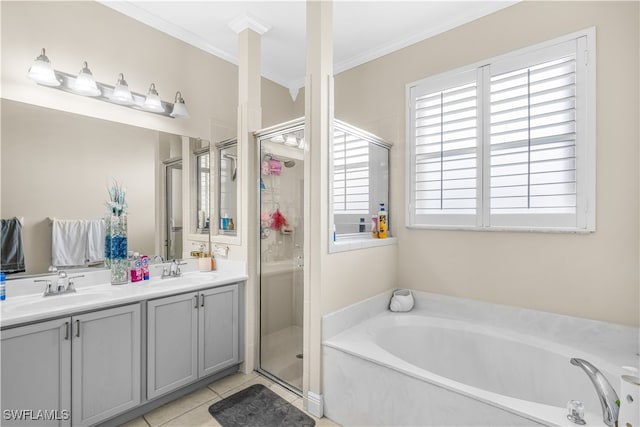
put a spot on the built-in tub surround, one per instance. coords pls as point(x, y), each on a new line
point(453, 361)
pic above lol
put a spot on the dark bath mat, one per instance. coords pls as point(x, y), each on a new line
point(257, 406)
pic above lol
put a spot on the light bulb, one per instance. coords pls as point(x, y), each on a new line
point(121, 93)
point(41, 71)
point(153, 102)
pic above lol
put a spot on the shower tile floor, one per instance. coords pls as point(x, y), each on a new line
point(279, 355)
point(193, 409)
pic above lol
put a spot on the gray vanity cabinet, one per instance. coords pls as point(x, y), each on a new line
point(106, 363)
point(84, 368)
point(36, 373)
point(172, 343)
point(190, 336)
point(218, 329)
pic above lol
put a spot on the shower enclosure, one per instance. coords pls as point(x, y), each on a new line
point(281, 241)
point(359, 182)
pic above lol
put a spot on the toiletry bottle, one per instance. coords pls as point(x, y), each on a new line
point(3, 287)
point(382, 222)
point(138, 268)
point(374, 226)
point(224, 222)
point(232, 226)
point(145, 267)
point(334, 232)
point(213, 262)
point(361, 226)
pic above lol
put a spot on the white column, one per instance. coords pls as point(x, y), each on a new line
point(318, 131)
point(249, 121)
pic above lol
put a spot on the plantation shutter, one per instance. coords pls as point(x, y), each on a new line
point(532, 147)
point(350, 174)
point(445, 151)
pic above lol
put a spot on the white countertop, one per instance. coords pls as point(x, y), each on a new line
point(31, 307)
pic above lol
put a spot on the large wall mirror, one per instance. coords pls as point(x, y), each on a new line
point(59, 165)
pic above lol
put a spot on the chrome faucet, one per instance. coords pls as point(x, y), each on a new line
point(173, 270)
point(606, 393)
point(64, 284)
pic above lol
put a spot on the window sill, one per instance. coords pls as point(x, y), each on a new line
point(354, 243)
point(549, 230)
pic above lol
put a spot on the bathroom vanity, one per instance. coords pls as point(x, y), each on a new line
point(104, 351)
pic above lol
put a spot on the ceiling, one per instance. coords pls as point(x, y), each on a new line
point(362, 30)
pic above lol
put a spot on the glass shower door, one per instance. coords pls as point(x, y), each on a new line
point(281, 256)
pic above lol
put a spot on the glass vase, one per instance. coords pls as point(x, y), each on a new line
point(107, 242)
point(118, 244)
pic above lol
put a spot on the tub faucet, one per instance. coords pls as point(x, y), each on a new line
point(606, 393)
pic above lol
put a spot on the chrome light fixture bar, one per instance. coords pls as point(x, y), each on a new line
point(84, 84)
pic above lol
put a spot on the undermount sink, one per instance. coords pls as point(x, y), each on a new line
point(191, 278)
point(37, 303)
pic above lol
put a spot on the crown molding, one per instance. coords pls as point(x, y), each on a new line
point(248, 21)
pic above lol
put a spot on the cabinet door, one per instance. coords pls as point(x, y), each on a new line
point(172, 343)
point(218, 329)
point(36, 374)
point(106, 363)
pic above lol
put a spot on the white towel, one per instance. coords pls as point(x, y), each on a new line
point(68, 242)
point(95, 241)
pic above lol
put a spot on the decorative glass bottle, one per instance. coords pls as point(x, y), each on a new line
point(119, 262)
point(107, 241)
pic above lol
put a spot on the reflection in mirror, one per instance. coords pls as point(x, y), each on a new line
point(173, 201)
point(360, 180)
point(202, 173)
point(60, 165)
point(227, 221)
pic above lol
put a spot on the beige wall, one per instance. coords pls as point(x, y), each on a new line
point(594, 276)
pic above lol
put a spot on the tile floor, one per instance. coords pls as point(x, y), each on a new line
point(192, 410)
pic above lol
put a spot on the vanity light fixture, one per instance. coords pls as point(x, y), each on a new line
point(84, 84)
point(152, 102)
point(179, 109)
point(121, 93)
point(42, 72)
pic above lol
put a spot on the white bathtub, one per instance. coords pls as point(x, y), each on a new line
point(422, 368)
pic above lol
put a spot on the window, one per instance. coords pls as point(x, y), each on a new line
point(360, 168)
point(506, 144)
